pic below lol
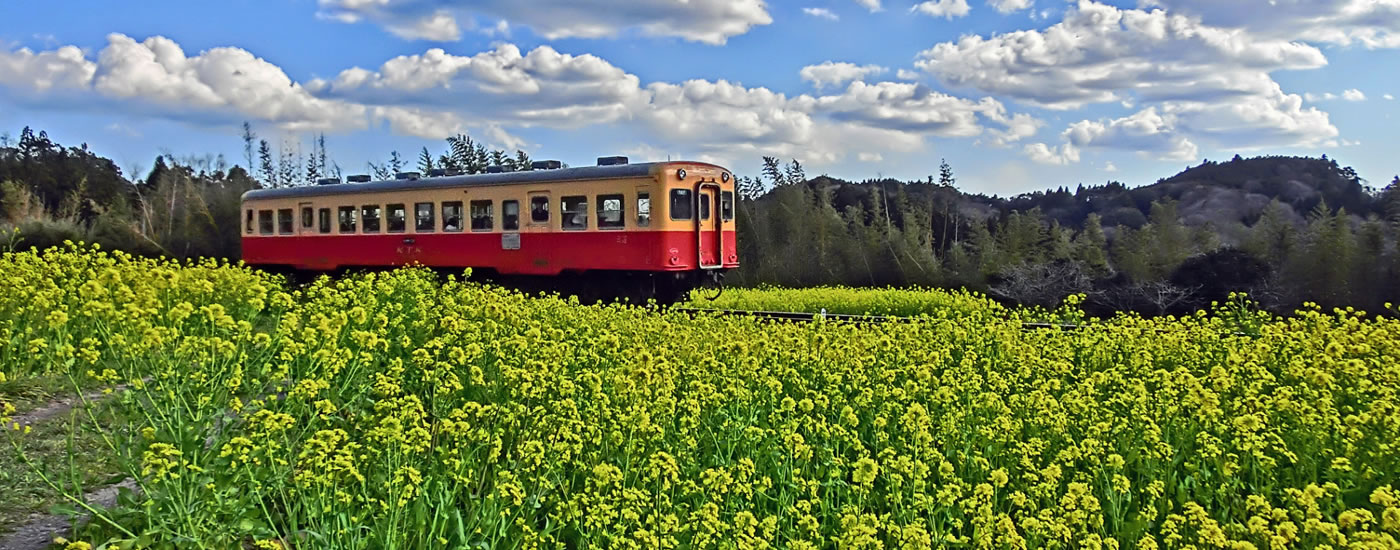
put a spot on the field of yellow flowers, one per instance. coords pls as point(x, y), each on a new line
point(399, 410)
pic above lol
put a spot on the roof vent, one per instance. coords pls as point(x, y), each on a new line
point(452, 172)
point(437, 172)
point(358, 178)
point(546, 165)
point(327, 181)
point(407, 176)
point(611, 161)
point(495, 169)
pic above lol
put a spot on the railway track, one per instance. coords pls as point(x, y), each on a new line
point(800, 316)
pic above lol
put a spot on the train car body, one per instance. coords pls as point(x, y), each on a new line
point(665, 223)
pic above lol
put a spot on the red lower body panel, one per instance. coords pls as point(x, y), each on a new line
point(537, 253)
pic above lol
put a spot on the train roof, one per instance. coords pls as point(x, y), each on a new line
point(502, 178)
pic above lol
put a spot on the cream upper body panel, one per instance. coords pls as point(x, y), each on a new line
point(637, 200)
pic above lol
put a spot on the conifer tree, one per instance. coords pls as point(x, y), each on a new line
point(313, 164)
point(248, 138)
point(425, 162)
point(774, 172)
point(395, 163)
point(795, 173)
point(480, 159)
point(1091, 246)
point(1170, 241)
point(266, 170)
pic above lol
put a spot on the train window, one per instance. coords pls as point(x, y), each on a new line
point(265, 224)
point(369, 218)
point(452, 216)
point(481, 215)
point(726, 205)
point(423, 221)
point(398, 218)
point(248, 225)
point(610, 212)
point(643, 209)
point(539, 209)
point(510, 215)
point(325, 214)
point(574, 212)
point(682, 204)
point(306, 216)
point(347, 219)
point(284, 221)
point(704, 205)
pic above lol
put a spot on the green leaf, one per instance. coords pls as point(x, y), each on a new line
point(63, 509)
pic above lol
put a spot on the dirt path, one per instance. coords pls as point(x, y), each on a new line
point(39, 531)
point(59, 407)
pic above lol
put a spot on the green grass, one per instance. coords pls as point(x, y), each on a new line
point(67, 447)
point(34, 392)
point(904, 302)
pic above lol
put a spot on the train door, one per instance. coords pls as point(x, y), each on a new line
point(421, 217)
point(709, 226)
point(537, 219)
point(510, 224)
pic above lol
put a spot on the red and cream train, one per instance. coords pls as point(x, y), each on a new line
point(638, 230)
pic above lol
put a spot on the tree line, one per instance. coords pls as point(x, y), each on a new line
point(1284, 229)
point(1175, 254)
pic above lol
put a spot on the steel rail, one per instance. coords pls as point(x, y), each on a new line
point(800, 316)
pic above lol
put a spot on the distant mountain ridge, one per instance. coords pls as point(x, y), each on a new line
point(1216, 193)
point(1212, 193)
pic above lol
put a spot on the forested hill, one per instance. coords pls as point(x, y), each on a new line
point(1284, 229)
point(1214, 193)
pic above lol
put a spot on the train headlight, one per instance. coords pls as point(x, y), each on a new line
point(680, 174)
point(724, 177)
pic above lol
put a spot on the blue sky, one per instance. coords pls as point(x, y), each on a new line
point(1018, 95)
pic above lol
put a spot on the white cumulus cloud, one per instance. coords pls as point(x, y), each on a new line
point(1010, 6)
point(496, 93)
point(1101, 54)
point(1203, 84)
point(1371, 23)
point(822, 13)
point(1146, 131)
point(1352, 94)
point(156, 76)
point(706, 21)
point(1045, 154)
point(835, 74)
point(943, 8)
point(63, 69)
